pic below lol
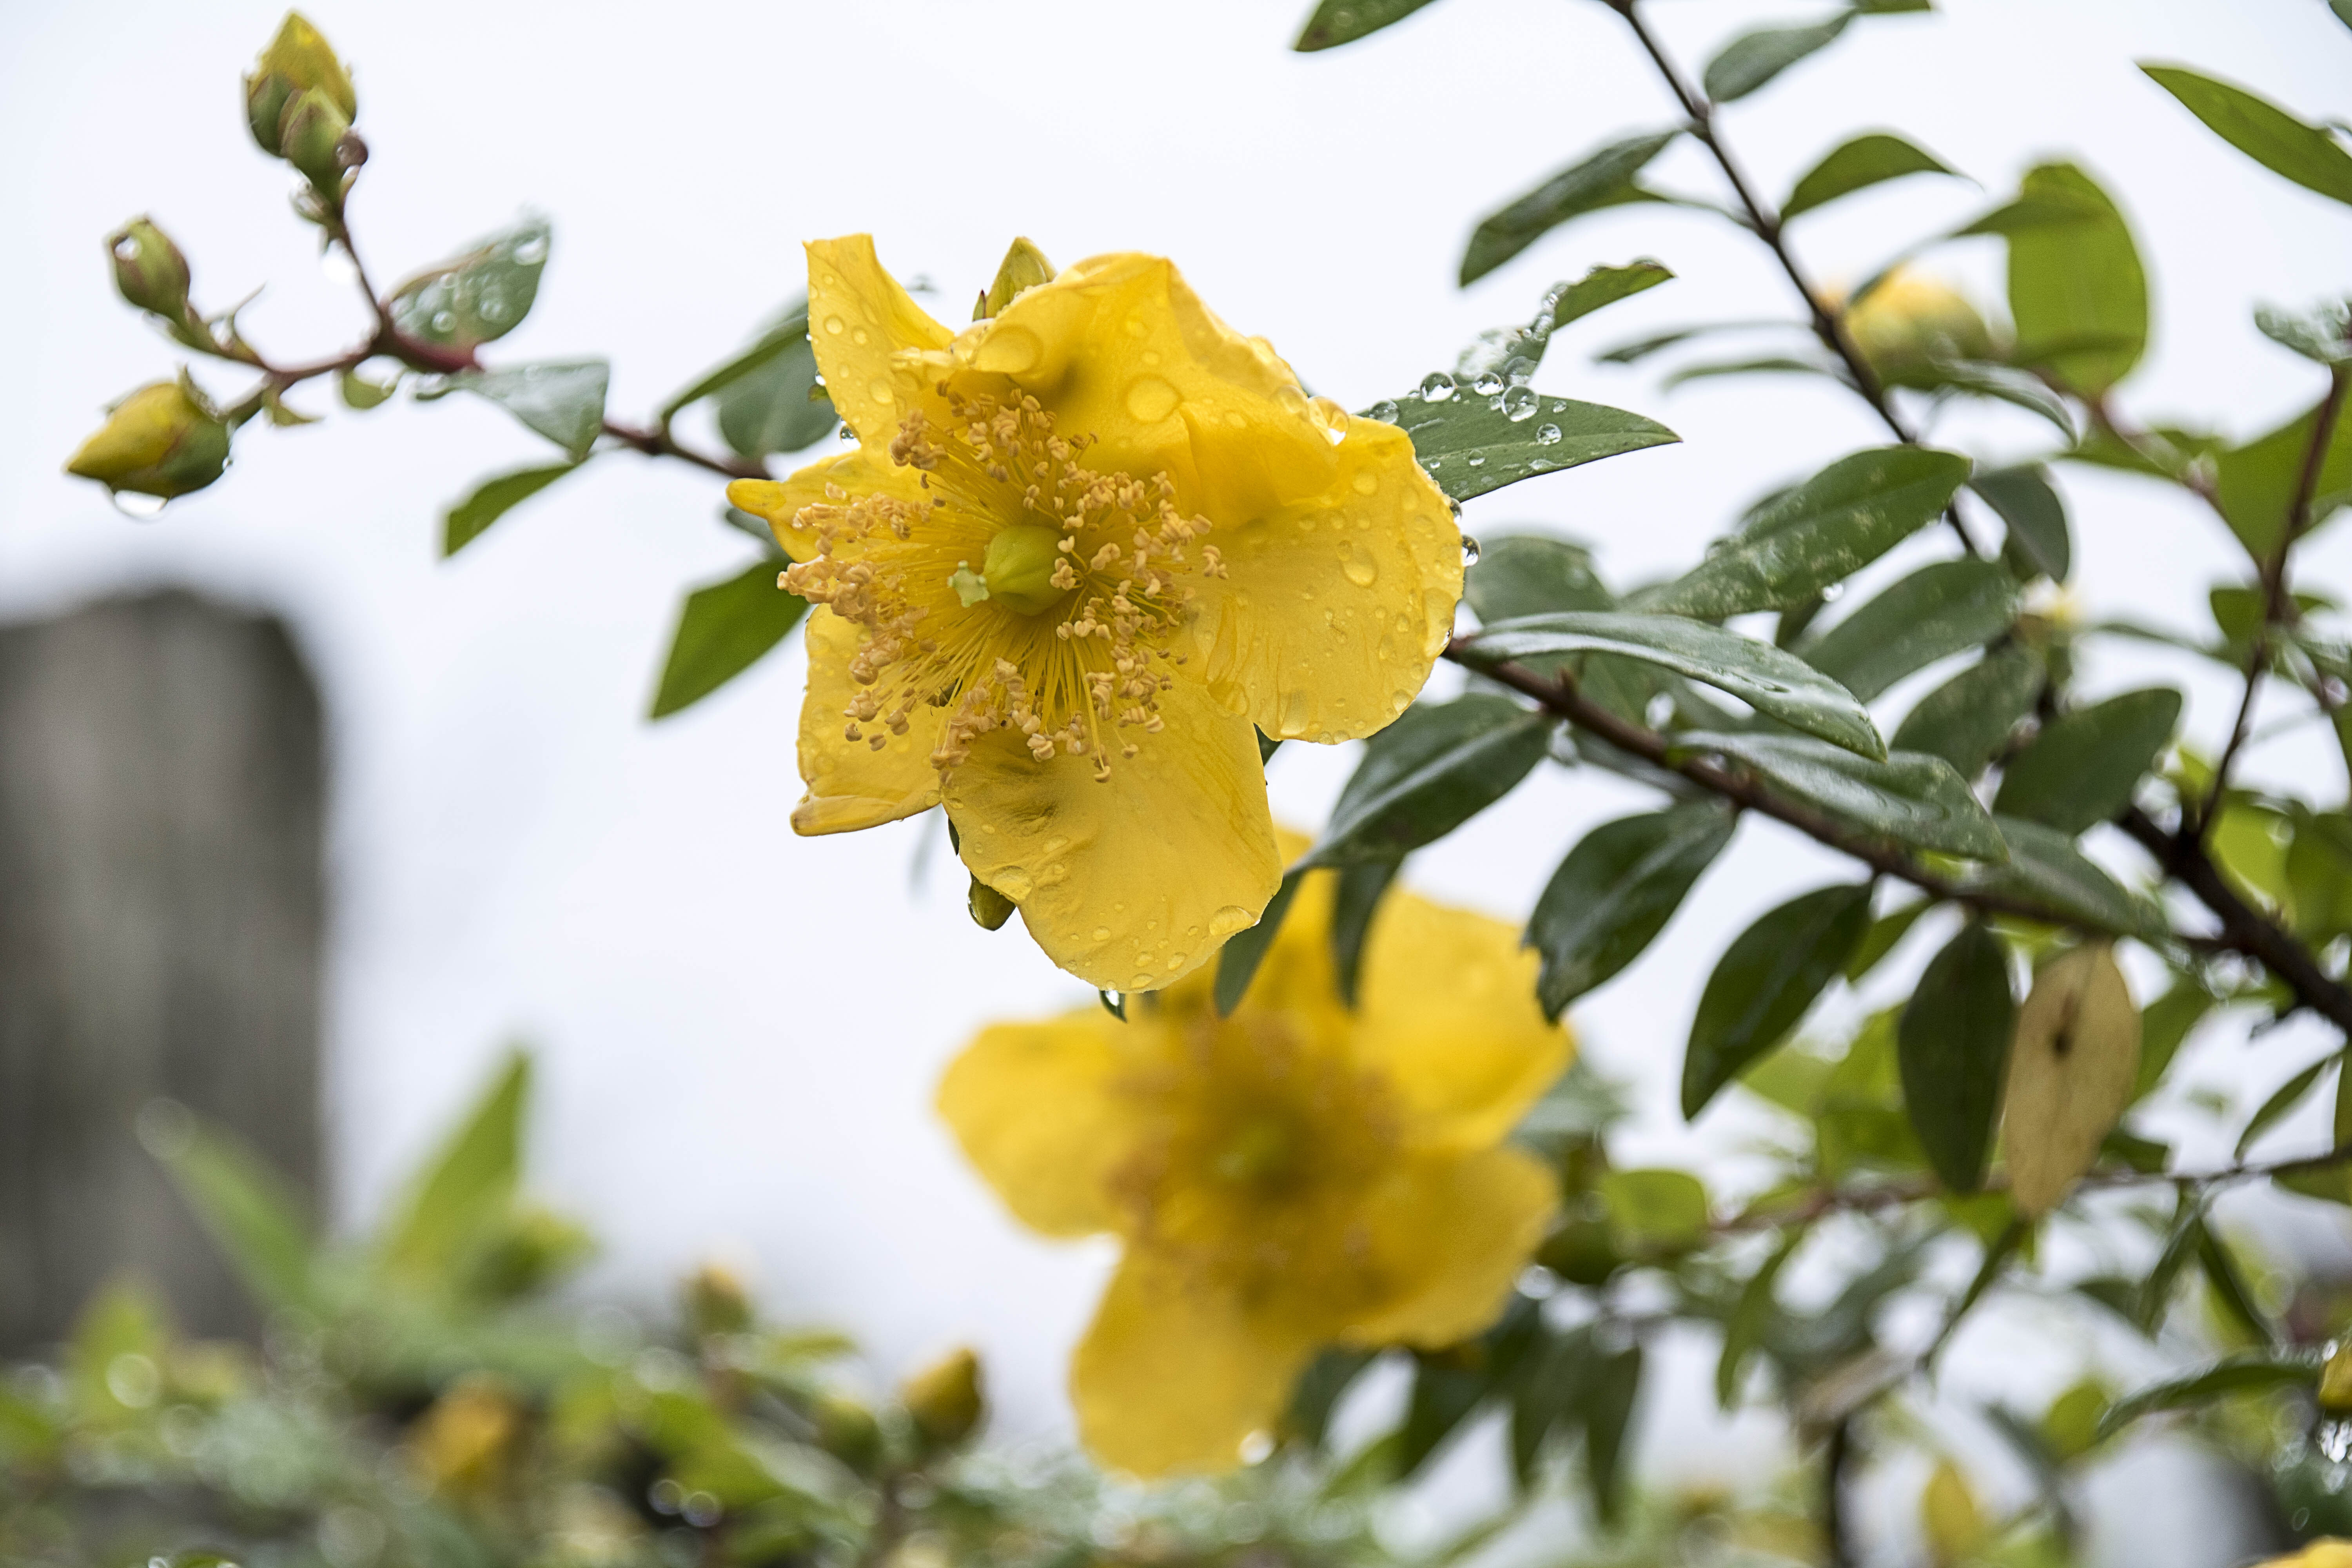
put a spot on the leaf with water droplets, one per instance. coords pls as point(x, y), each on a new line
point(1604, 286)
point(2083, 766)
point(476, 298)
point(1971, 716)
point(1768, 679)
point(1603, 179)
point(562, 400)
point(2043, 865)
point(1911, 798)
point(723, 629)
point(769, 396)
point(1424, 776)
point(1937, 611)
point(1472, 443)
point(1858, 164)
point(1337, 22)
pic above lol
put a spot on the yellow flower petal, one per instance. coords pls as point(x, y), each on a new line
point(861, 470)
point(1448, 1016)
point(1344, 559)
point(1131, 884)
point(858, 318)
point(2326, 1553)
point(1171, 1380)
point(1454, 1233)
point(850, 785)
point(1036, 1109)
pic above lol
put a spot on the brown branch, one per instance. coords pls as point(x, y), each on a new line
point(1837, 1529)
point(657, 442)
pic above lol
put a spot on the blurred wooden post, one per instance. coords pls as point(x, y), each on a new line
point(162, 934)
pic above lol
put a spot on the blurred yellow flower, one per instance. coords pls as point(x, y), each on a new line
point(2330, 1553)
point(1081, 548)
point(1292, 1177)
point(462, 1441)
point(1913, 319)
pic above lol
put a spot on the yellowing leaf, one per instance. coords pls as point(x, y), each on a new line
point(2071, 1071)
point(1950, 1515)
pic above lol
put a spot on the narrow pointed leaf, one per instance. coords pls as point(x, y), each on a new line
point(1355, 899)
point(1752, 59)
point(1472, 443)
point(1428, 773)
point(1879, 940)
point(2028, 504)
point(1764, 983)
point(1243, 951)
point(1911, 796)
point(723, 629)
point(2253, 1370)
point(469, 1184)
point(2043, 865)
point(491, 501)
point(1603, 179)
point(2262, 131)
point(1858, 164)
point(1952, 1043)
point(1968, 718)
point(1937, 611)
point(1614, 1384)
point(2082, 769)
point(2283, 1100)
point(1616, 892)
point(251, 1215)
point(1604, 286)
point(1337, 22)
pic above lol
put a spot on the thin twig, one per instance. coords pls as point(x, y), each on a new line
point(1836, 1528)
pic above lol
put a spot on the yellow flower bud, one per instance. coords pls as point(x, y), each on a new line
point(311, 137)
point(2335, 1382)
point(717, 1301)
point(945, 1399)
point(847, 1430)
point(148, 268)
point(1023, 267)
point(462, 1442)
point(1910, 321)
point(159, 441)
point(298, 60)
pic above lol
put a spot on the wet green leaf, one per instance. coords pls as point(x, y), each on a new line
point(1764, 983)
point(1528, 574)
point(723, 629)
point(1238, 959)
point(361, 394)
point(1603, 179)
point(1970, 717)
point(1937, 611)
point(2229, 1375)
point(2262, 131)
point(2028, 504)
point(1355, 896)
point(1911, 796)
point(562, 400)
point(2076, 290)
point(1472, 443)
point(1816, 534)
point(772, 401)
point(491, 501)
point(2043, 865)
point(476, 297)
point(1604, 286)
point(1337, 22)
point(1856, 165)
point(1952, 1045)
point(1752, 59)
point(2081, 768)
point(2322, 335)
point(1616, 892)
point(1428, 773)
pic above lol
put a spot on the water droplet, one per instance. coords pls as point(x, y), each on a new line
point(1833, 592)
point(835, 325)
point(531, 249)
point(1176, 962)
point(1296, 716)
point(1469, 551)
point(1385, 411)
point(1102, 934)
point(127, 248)
point(137, 506)
point(1366, 481)
point(1438, 388)
point(1012, 881)
point(1008, 350)
point(1547, 435)
point(861, 337)
point(846, 434)
point(444, 320)
point(1149, 399)
point(1520, 372)
point(1487, 385)
point(1356, 562)
point(1141, 982)
point(1477, 461)
point(878, 389)
point(1521, 402)
point(1231, 919)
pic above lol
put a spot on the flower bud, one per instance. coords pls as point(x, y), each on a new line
point(159, 441)
point(298, 60)
point(716, 1301)
point(945, 1400)
point(1911, 320)
point(311, 137)
point(847, 1430)
point(1023, 267)
point(2336, 1381)
point(149, 269)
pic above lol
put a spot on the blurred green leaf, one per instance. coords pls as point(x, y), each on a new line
point(790, 328)
point(562, 400)
point(1616, 892)
point(1911, 796)
point(1604, 286)
point(251, 1215)
point(1528, 574)
point(1764, 983)
point(2229, 1375)
point(466, 1188)
point(2045, 865)
point(2262, 131)
point(1769, 679)
point(2282, 1100)
point(1984, 378)
point(1603, 179)
point(1472, 443)
point(1816, 534)
point(1879, 940)
point(1655, 1210)
point(1752, 59)
point(361, 394)
point(2076, 291)
point(1444, 1392)
point(491, 501)
point(1337, 22)
point(2256, 484)
point(1864, 161)
point(1936, 611)
point(1613, 1386)
point(1762, 364)
point(1953, 1042)
point(2028, 504)
point(1744, 1331)
point(2164, 1024)
point(1429, 773)
point(1547, 1396)
point(2322, 335)
point(2319, 876)
point(1243, 951)
point(1968, 718)
point(2231, 1293)
point(1319, 1391)
point(1355, 900)
point(723, 629)
point(2081, 768)
point(476, 298)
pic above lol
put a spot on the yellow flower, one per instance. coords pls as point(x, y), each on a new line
point(1292, 1177)
point(1081, 548)
point(1912, 320)
point(2329, 1553)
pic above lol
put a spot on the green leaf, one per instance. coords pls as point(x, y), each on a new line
point(2262, 131)
point(1317, 1393)
point(1613, 1386)
point(491, 501)
point(476, 298)
point(1860, 163)
point(562, 400)
point(2231, 1374)
point(1472, 443)
point(2343, 9)
point(2322, 335)
point(1657, 1211)
point(1751, 60)
point(1937, 611)
point(1444, 1392)
point(1337, 22)
point(1816, 534)
point(1548, 1394)
point(2256, 484)
point(775, 402)
point(1604, 179)
point(251, 1215)
point(1616, 892)
point(1604, 285)
point(1528, 574)
point(1911, 798)
point(1764, 983)
point(1744, 1330)
point(467, 1187)
point(2164, 1024)
point(2230, 1291)
point(1879, 941)
point(2282, 1100)
point(2319, 876)
point(2045, 865)
point(2076, 290)
point(2026, 501)
point(1766, 677)
point(1952, 1044)
point(2081, 768)
point(1764, 364)
point(1243, 951)
point(1971, 716)
point(361, 394)
point(1355, 900)
point(1985, 378)
point(723, 629)
point(789, 328)
point(1429, 773)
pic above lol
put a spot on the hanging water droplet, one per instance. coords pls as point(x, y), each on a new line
point(1520, 372)
point(530, 249)
point(1521, 402)
point(846, 434)
point(1487, 385)
point(1437, 387)
point(1469, 551)
point(1833, 592)
point(127, 248)
point(138, 506)
point(2332, 1439)
point(1385, 411)
point(1547, 435)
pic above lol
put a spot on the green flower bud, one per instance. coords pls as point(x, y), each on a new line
point(149, 269)
point(311, 137)
point(159, 441)
point(299, 59)
point(717, 1301)
point(1023, 267)
point(945, 1400)
point(847, 1430)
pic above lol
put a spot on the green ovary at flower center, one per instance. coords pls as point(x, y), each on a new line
point(1019, 568)
point(1263, 1152)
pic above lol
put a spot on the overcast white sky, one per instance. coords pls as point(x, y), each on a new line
point(741, 1029)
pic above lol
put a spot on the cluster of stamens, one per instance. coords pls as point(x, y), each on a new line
point(1082, 675)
